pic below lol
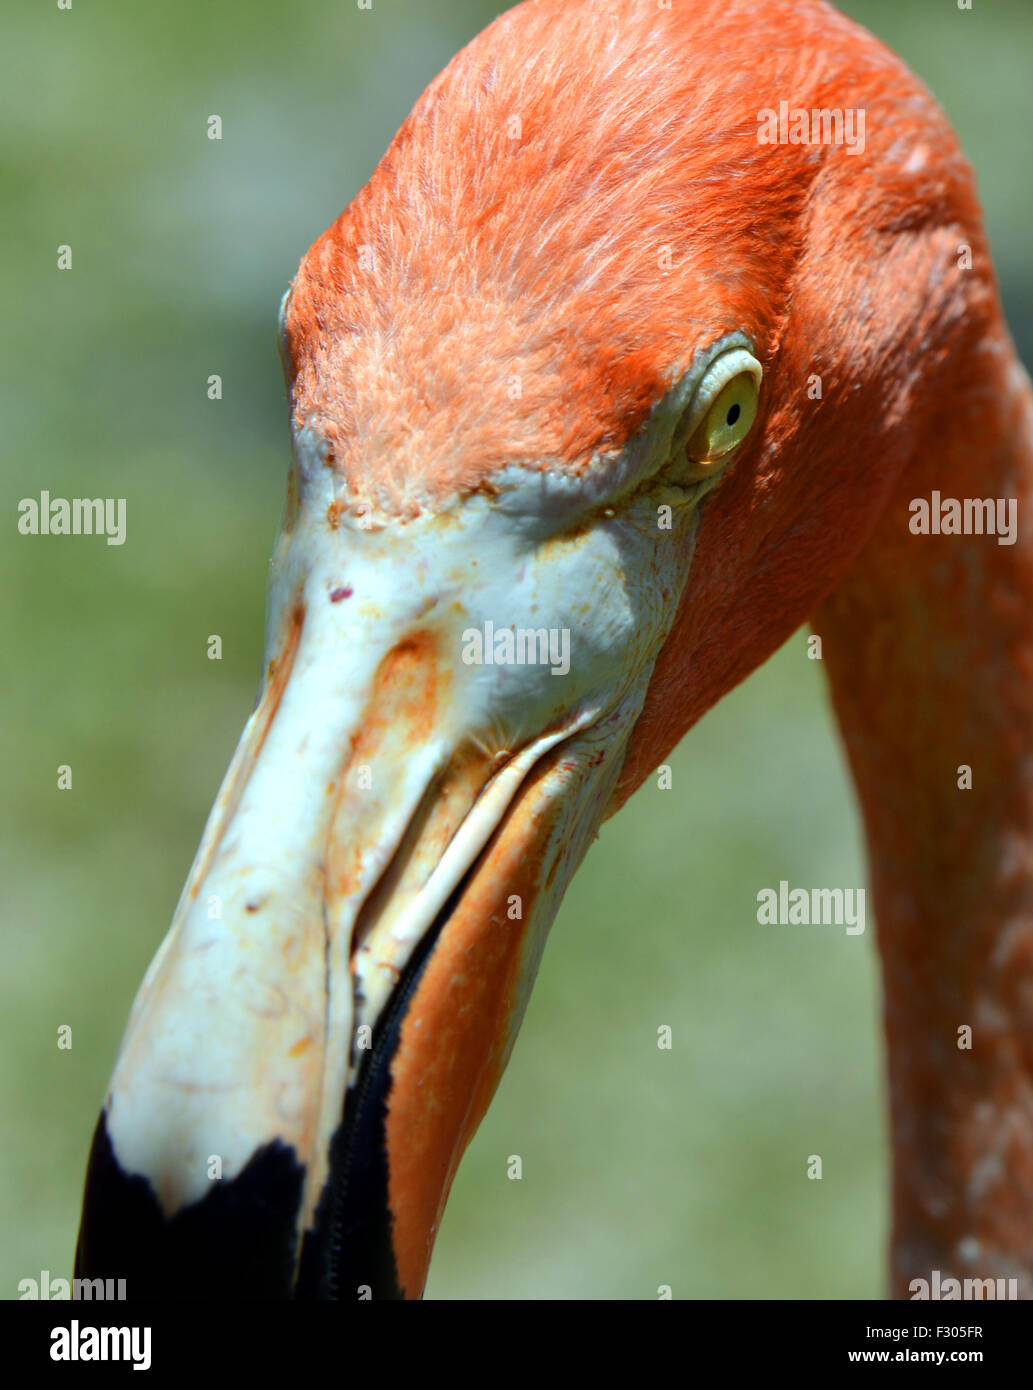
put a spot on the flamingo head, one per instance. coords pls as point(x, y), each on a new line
point(594, 395)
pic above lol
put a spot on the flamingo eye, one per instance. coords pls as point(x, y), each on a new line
point(726, 423)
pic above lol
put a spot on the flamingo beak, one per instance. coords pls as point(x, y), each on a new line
point(328, 1017)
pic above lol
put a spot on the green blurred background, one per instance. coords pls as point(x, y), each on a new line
point(641, 1167)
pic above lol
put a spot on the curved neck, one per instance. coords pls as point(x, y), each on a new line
point(929, 650)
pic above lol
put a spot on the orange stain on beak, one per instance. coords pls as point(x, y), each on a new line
point(400, 718)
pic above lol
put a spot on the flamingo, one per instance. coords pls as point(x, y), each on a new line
point(650, 336)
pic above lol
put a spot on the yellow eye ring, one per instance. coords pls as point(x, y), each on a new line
point(727, 421)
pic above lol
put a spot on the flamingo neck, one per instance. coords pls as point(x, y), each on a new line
point(929, 648)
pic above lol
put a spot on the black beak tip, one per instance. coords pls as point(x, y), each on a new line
point(238, 1241)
